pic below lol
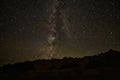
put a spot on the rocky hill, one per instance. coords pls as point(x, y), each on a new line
point(98, 67)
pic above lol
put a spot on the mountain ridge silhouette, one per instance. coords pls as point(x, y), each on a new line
point(89, 67)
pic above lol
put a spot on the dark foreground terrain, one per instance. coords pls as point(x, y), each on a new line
point(104, 66)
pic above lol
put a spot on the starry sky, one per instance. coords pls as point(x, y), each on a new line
point(83, 27)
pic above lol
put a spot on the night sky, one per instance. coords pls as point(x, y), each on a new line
point(37, 29)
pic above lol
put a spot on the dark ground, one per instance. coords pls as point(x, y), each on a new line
point(104, 66)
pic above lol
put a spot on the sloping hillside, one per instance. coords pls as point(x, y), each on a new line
point(102, 66)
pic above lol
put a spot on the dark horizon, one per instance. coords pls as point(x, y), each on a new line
point(103, 66)
point(65, 57)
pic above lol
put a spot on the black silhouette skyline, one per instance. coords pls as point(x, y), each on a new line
point(83, 28)
point(103, 66)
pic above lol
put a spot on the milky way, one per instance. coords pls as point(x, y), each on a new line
point(53, 36)
point(45, 29)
